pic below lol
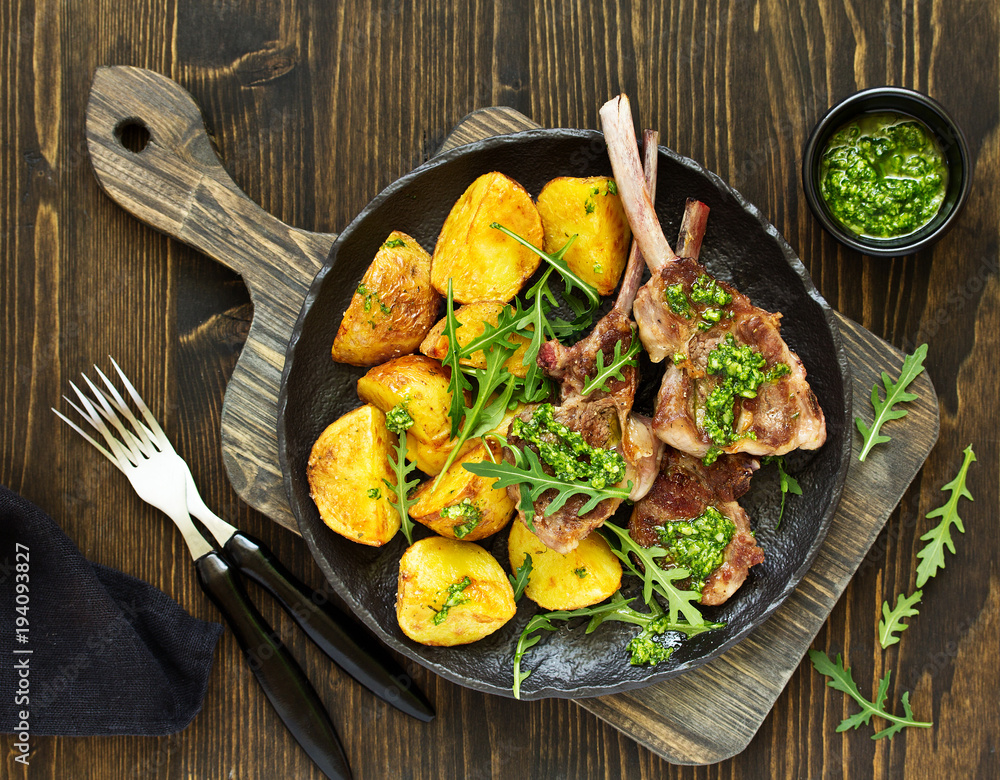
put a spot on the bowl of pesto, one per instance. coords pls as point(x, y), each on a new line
point(887, 171)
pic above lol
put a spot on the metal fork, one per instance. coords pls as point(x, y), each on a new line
point(161, 478)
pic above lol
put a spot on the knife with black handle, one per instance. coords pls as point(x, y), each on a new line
point(354, 651)
point(286, 686)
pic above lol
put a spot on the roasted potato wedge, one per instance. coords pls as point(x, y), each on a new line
point(463, 506)
point(591, 209)
point(473, 318)
point(587, 575)
point(483, 263)
point(393, 307)
point(451, 593)
point(430, 458)
point(419, 382)
point(346, 467)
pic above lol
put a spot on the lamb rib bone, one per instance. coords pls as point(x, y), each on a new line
point(785, 413)
point(602, 417)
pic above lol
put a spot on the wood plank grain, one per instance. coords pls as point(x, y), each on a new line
point(315, 107)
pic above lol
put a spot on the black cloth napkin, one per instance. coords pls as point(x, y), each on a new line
point(104, 653)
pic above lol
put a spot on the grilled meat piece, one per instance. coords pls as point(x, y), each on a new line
point(784, 414)
point(683, 490)
point(602, 417)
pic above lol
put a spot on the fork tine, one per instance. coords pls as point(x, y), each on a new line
point(84, 434)
point(160, 436)
point(94, 418)
point(114, 419)
point(121, 405)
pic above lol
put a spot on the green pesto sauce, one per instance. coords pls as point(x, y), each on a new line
point(698, 544)
point(705, 298)
point(643, 650)
point(883, 175)
point(706, 290)
point(453, 599)
point(742, 370)
point(600, 468)
point(398, 419)
point(466, 511)
point(678, 301)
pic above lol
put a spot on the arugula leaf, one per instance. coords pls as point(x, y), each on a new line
point(556, 261)
point(932, 555)
point(484, 415)
point(624, 613)
point(458, 383)
point(895, 393)
point(543, 622)
point(842, 680)
point(892, 620)
point(614, 369)
point(401, 468)
point(527, 472)
point(788, 483)
point(520, 578)
point(656, 579)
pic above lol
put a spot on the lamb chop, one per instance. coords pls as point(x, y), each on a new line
point(733, 384)
point(602, 417)
point(686, 489)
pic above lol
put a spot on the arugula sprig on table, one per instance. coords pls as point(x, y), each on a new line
point(891, 625)
point(842, 680)
point(932, 554)
point(895, 393)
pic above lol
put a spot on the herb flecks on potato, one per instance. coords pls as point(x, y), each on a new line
point(484, 264)
point(347, 466)
point(451, 593)
point(590, 209)
point(419, 382)
point(461, 505)
point(393, 307)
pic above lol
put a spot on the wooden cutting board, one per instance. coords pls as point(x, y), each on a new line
point(177, 184)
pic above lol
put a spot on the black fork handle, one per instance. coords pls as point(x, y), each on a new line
point(286, 686)
point(349, 646)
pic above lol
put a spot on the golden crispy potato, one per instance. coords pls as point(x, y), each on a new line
point(451, 593)
point(591, 209)
point(430, 458)
point(464, 506)
point(587, 575)
point(346, 467)
point(393, 307)
point(483, 263)
point(473, 318)
point(419, 382)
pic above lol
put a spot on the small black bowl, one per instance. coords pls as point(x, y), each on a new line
point(920, 107)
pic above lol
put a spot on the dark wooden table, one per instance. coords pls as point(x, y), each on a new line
point(315, 107)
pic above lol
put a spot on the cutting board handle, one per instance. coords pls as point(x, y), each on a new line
point(172, 178)
point(152, 155)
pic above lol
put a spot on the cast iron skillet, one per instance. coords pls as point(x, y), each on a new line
point(740, 246)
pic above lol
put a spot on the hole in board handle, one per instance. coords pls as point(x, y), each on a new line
point(132, 134)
